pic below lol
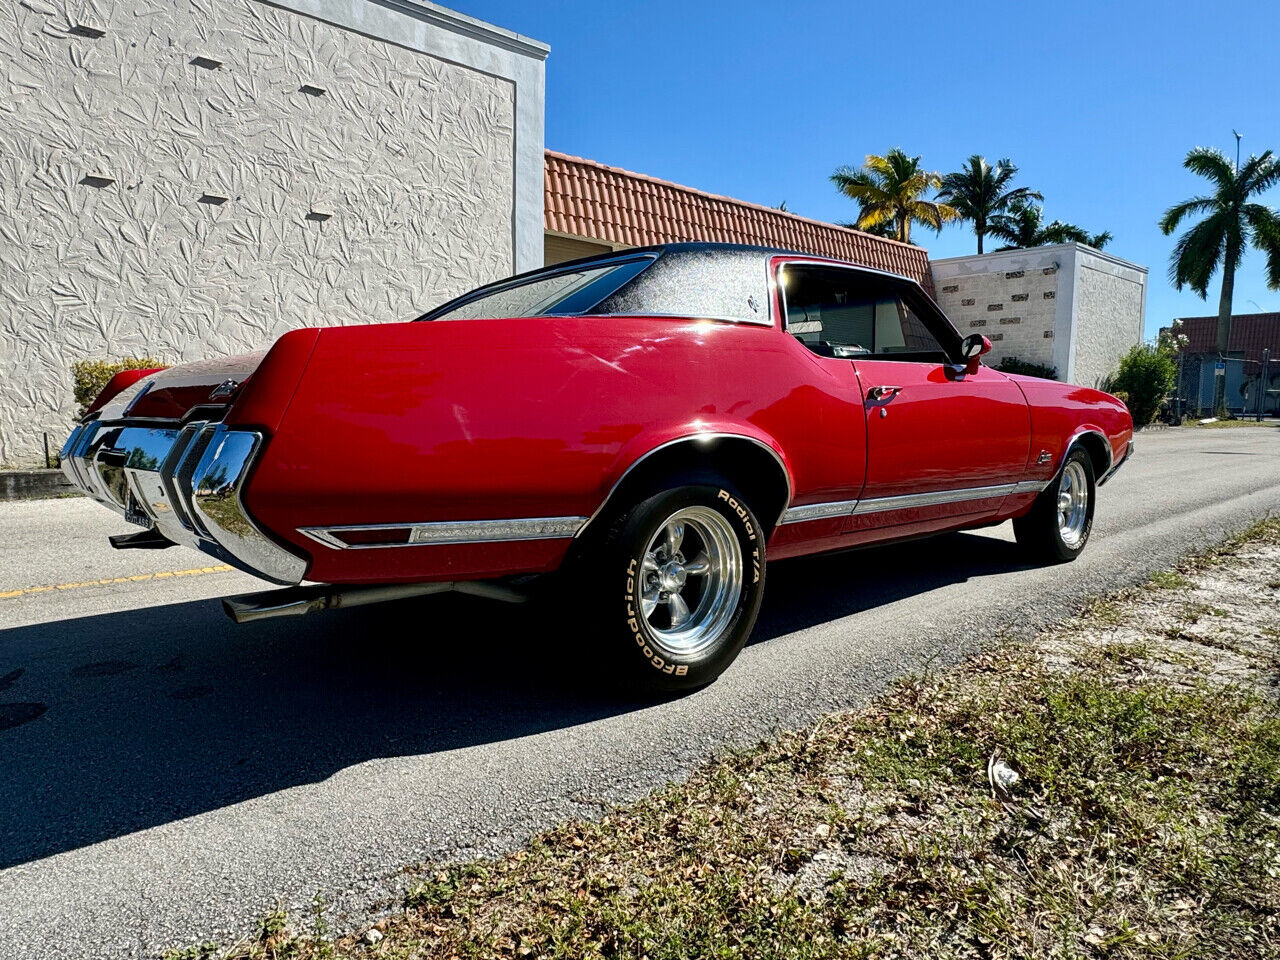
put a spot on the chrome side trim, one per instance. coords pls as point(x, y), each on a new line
point(1115, 467)
point(1075, 438)
point(463, 531)
point(933, 498)
point(695, 438)
point(818, 511)
point(1031, 486)
point(840, 508)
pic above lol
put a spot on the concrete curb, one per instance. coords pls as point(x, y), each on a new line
point(34, 484)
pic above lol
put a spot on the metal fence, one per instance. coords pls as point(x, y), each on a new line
point(1247, 393)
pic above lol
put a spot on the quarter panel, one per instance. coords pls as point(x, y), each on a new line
point(1060, 412)
point(533, 417)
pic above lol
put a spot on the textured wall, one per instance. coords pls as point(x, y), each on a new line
point(1110, 302)
point(409, 157)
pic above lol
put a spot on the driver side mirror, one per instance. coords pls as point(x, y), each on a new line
point(972, 348)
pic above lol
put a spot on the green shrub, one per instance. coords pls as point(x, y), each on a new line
point(1146, 375)
point(1027, 368)
point(91, 376)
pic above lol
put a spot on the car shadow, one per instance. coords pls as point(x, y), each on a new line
point(132, 720)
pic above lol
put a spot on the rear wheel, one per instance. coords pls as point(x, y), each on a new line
point(679, 578)
point(1059, 523)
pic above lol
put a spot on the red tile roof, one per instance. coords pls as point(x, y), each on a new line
point(589, 199)
point(1250, 333)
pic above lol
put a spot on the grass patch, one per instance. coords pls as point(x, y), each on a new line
point(1144, 823)
point(1227, 424)
point(1169, 580)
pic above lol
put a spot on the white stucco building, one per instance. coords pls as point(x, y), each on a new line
point(182, 179)
point(1068, 306)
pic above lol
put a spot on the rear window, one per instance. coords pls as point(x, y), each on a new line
point(563, 292)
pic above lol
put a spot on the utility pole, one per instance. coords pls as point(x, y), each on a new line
point(1237, 151)
point(1264, 378)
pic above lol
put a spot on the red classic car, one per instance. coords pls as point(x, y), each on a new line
point(663, 421)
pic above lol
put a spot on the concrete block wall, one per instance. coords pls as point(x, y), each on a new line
point(1067, 306)
point(1016, 309)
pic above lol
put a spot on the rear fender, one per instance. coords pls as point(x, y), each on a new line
point(701, 444)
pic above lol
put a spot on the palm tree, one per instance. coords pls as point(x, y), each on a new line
point(1231, 223)
point(1059, 232)
point(889, 191)
point(1022, 225)
point(979, 191)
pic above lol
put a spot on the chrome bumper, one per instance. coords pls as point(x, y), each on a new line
point(186, 482)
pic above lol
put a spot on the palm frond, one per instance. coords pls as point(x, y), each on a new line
point(1265, 224)
point(1212, 164)
point(875, 214)
point(1262, 174)
point(1174, 215)
point(1196, 254)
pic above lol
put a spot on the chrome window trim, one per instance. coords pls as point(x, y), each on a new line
point(696, 438)
point(620, 257)
point(437, 532)
point(533, 276)
point(677, 316)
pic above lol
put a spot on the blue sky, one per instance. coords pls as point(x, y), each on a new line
point(1097, 103)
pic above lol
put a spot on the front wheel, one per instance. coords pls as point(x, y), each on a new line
point(680, 577)
point(1061, 519)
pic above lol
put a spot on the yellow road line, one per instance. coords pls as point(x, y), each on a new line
point(136, 578)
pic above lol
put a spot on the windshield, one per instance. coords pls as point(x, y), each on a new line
point(568, 291)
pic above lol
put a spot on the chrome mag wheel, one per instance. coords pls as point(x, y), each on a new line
point(1073, 503)
point(691, 581)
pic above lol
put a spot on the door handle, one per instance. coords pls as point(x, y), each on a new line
point(882, 392)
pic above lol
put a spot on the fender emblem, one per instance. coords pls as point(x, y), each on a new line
point(1045, 457)
point(225, 389)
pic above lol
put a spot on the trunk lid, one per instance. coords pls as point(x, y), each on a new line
point(204, 387)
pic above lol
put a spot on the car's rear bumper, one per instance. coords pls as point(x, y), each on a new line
point(185, 482)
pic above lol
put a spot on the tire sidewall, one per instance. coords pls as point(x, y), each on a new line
point(1066, 552)
point(623, 585)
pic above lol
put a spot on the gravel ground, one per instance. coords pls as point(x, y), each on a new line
point(184, 775)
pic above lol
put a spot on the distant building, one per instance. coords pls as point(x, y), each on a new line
point(1253, 335)
point(1069, 307)
point(593, 208)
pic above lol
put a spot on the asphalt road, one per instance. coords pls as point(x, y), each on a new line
point(166, 776)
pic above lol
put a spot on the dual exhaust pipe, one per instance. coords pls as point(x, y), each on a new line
point(298, 601)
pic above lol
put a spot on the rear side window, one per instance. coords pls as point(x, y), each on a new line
point(847, 313)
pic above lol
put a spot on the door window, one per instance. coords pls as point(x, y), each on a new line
point(848, 313)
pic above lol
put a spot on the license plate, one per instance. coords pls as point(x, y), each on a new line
point(134, 513)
